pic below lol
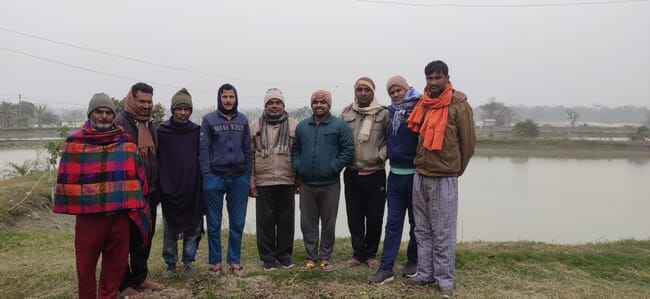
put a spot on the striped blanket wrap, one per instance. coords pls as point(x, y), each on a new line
point(100, 172)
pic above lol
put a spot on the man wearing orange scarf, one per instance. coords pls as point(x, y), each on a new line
point(445, 145)
point(137, 121)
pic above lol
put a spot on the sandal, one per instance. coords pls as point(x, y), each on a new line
point(308, 266)
point(326, 266)
point(236, 270)
point(215, 270)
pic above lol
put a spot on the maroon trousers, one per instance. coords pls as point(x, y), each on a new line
point(108, 236)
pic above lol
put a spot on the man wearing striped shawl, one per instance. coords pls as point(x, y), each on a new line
point(101, 181)
point(273, 181)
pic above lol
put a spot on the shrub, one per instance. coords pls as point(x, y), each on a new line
point(527, 128)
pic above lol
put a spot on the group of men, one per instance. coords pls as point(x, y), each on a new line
point(115, 171)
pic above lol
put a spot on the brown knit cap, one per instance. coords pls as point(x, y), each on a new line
point(365, 81)
point(397, 80)
point(322, 94)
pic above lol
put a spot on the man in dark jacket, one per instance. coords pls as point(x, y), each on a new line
point(322, 147)
point(180, 184)
point(225, 162)
point(137, 121)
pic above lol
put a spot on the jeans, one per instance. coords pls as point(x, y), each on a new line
point(236, 193)
point(190, 244)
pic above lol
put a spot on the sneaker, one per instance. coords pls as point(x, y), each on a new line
point(414, 281)
point(373, 263)
point(446, 292)
point(286, 262)
point(169, 271)
point(410, 270)
point(381, 276)
point(190, 270)
point(270, 266)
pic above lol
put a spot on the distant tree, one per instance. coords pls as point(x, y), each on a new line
point(7, 114)
point(119, 105)
point(527, 128)
point(40, 113)
point(158, 113)
point(642, 134)
point(300, 113)
point(573, 116)
point(22, 120)
point(498, 111)
point(27, 108)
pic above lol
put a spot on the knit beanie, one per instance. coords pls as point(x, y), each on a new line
point(273, 93)
point(100, 100)
point(181, 98)
point(365, 81)
point(397, 80)
point(322, 94)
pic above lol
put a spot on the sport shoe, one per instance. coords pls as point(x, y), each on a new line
point(169, 271)
point(410, 270)
point(286, 262)
point(189, 269)
point(446, 292)
point(270, 266)
point(381, 276)
point(373, 263)
point(414, 281)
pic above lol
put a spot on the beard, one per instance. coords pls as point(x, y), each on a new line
point(101, 125)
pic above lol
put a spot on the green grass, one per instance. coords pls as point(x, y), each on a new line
point(41, 264)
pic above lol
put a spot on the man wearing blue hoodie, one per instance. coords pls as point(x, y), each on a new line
point(225, 162)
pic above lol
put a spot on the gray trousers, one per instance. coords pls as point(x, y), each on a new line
point(319, 203)
point(435, 209)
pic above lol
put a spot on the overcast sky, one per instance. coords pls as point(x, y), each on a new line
point(571, 55)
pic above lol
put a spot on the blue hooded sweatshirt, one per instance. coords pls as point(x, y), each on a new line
point(225, 145)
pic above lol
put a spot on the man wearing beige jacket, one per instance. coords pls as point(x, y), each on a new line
point(273, 181)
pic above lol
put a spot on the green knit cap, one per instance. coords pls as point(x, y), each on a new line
point(181, 98)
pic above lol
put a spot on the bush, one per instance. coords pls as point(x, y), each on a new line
point(642, 134)
point(527, 128)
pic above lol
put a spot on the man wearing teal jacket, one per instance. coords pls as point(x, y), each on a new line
point(322, 148)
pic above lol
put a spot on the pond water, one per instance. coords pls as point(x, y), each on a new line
point(554, 200)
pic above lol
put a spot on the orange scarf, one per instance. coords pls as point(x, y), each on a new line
point(429, 118)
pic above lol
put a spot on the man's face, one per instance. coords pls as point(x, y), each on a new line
point(102, 118)
point(436, 83)
point(364, 95)
point(397, 94)
point(228, 99)
point(274, 108)
point(320, 107)
point(182, 114)
point(143, 103)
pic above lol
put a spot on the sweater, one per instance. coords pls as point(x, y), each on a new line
point(225, 145)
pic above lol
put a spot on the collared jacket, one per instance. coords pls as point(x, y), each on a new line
point(320, 151)
point(369, 155)
point(150, 161)
point(457, 146)
point(276, 168)
point(225, 145)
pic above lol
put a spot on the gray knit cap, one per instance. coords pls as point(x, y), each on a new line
point(100, 100)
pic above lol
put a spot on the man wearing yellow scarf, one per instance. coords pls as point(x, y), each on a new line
point(445, 146)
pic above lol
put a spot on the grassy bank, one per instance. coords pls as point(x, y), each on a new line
point(41, 265)
point(37, 254)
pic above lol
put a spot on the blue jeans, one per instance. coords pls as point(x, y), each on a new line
point(190, 243)
point(399, 191)
point(236, 192)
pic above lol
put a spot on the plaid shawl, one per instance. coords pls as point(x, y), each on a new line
point(100, 172)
